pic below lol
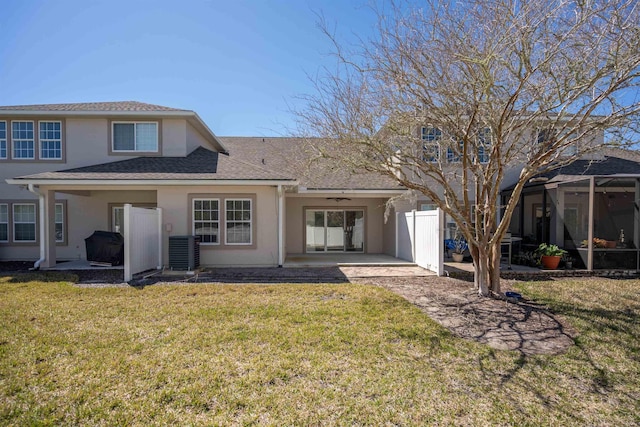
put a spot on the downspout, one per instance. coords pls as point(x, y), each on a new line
point(43, 249)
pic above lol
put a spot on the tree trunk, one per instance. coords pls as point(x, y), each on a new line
point(486, 263)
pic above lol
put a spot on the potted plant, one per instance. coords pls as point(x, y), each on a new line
point(550, 255)
point(459, 246)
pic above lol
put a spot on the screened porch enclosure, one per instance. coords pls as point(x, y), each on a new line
point(596, 219)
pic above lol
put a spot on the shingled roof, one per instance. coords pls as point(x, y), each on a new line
point(201, 164)
point(295, 157)
point(607, 166)
point(92, 106)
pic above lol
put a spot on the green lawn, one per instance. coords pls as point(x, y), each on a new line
point(302, 355)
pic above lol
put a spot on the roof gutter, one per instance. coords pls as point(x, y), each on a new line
point(131, 182)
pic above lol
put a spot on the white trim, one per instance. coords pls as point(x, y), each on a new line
point(250, 221)
point(41, 157)
point(13, 139)
point(35, 222)
point(5, 139)
point(5, 222)
point(193, 220)
point(64, 226)
point(153, 182)
point(354, 193)
point(135, 135)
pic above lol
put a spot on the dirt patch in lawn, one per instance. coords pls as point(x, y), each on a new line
point(523, 326)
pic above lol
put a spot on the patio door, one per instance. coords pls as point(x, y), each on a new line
point(332, 230)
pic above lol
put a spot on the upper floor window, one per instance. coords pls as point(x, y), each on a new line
point(3, 140)
point(22, 136)
point(50, 140)
point(431, 138)
point(135, 136)
point(453, 155)
point(484, 145)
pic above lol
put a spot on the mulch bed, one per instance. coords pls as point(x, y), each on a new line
point(522, 326)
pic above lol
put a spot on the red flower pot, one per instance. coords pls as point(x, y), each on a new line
point(550, 262)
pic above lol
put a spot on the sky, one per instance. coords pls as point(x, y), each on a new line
point(240, 64)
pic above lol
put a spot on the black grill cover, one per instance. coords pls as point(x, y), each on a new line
point(105, 246)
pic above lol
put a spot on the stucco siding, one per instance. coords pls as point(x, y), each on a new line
point(84, 215)
point(174, 133)
point(194, 139)
point(176, 206)
point(374, 220)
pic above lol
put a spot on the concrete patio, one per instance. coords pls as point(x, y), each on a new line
point(343, 259)
point(81, 264)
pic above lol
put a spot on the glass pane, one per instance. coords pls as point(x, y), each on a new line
point(238, 233)
point(25, 232)
point(315, 231)
point(58, 214)
point(118, 220)
point(4, 232)
point(146, 137)
point(124, 136)
point(335, 231)
point(354, 231)
point(208, 231)
point(59, 233)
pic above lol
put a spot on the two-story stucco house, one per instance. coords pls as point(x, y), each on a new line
point(67, 170)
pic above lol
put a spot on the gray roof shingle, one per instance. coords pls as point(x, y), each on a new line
point(201, 164)
point(607, 166)
point(295, 157)
point(92, 106)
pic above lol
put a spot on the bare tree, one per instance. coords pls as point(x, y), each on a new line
point(450, 97)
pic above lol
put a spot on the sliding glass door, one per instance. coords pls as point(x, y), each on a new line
point(330, 230)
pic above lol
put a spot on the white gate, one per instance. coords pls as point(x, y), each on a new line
point(142, 240)
point(420, 239)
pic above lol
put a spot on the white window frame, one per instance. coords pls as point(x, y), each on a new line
point(3, 141)
point(35, 222)
point(48, 140)
point(194, 220)
point(14, 140)
point(135, 142)
point(61, 222)
point(5, 221)
point(238, 221)
point(452, 156)
point(431, 139)
point(486, 146)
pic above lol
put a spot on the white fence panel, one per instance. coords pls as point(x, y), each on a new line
point(404, 236)
point(429, 240)
point(420, 239)
point(142, 240)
